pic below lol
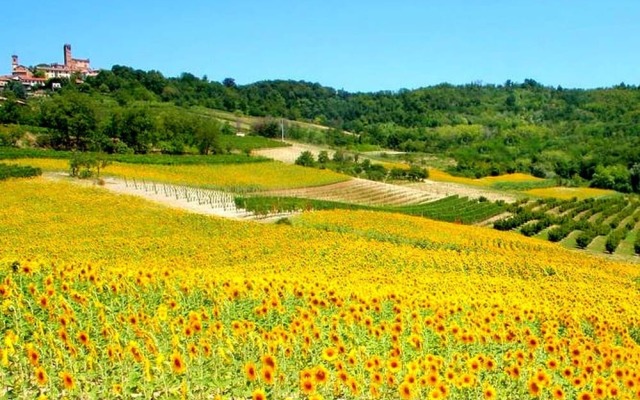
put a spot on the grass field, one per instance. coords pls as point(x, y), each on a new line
point(105, 295)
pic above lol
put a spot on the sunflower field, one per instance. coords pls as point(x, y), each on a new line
point(109, 296)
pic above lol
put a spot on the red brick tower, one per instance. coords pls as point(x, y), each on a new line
point(68, 60)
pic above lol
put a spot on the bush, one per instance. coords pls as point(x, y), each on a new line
point(583, 240)
point(267, 127)
point(17, 171)
point(613, 240)
point(306, 159)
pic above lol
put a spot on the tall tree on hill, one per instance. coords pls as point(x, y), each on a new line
point(207, 136)
point(73, 118)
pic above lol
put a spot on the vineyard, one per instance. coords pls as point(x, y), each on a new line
point(601, 224)
point(451, 209)
point(111, 296)
point(360, 191)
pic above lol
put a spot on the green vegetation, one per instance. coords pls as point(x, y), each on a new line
point(453, 209)
point(7, 153)
point(486, 129)
point(611, 219)
point(352, 165)
point(16, 171)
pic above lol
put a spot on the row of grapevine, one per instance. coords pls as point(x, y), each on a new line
point(612, 217)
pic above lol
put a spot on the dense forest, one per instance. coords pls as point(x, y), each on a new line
point(577, 136)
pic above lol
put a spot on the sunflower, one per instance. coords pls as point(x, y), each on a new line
point(394, 365)
point(558, 393)
point(405, 391)
point(83, 337)
point(353, 386)
point(467, 380)
point(307, 386)
point(267, 375)
point(269, 361)
point(43, 301)
point(600, 392)
point(534, 388)
point(116, 389)
point(374, 391)
point(585, 396)
point(259, 394)
point(33, 355)
point(177, 363)
point(320, 375)
point(41, 376)
point(250, 371)
point(68, 380)
point(488, 392)
point(329, 354)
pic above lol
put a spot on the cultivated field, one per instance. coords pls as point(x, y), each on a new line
point(231, 177)
point(361, 191)
point(105, 295)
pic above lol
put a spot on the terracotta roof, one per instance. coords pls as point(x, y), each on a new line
point(34, 79)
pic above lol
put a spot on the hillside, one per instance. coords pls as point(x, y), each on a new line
point(341, 303)
point(580, 137)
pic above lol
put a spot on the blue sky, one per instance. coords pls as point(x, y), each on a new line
point(355, 45)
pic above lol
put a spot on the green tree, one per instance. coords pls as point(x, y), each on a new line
point(73, 118)
point(11, 111)
point(17, 88)
point(135, 127)
point(416, 173)
point(613, 240)
point(306, 159)
point(207, 136)
point(323, 157)
point(583, 240)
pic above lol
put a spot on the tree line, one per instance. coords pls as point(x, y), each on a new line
point(575, 135)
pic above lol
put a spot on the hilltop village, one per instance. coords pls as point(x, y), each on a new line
point(37, 76)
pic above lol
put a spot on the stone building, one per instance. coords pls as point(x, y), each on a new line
point(43, 72)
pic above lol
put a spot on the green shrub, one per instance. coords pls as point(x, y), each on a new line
point(613, 240)
point(583, 240)
point(16, 171)
point(636, 244)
